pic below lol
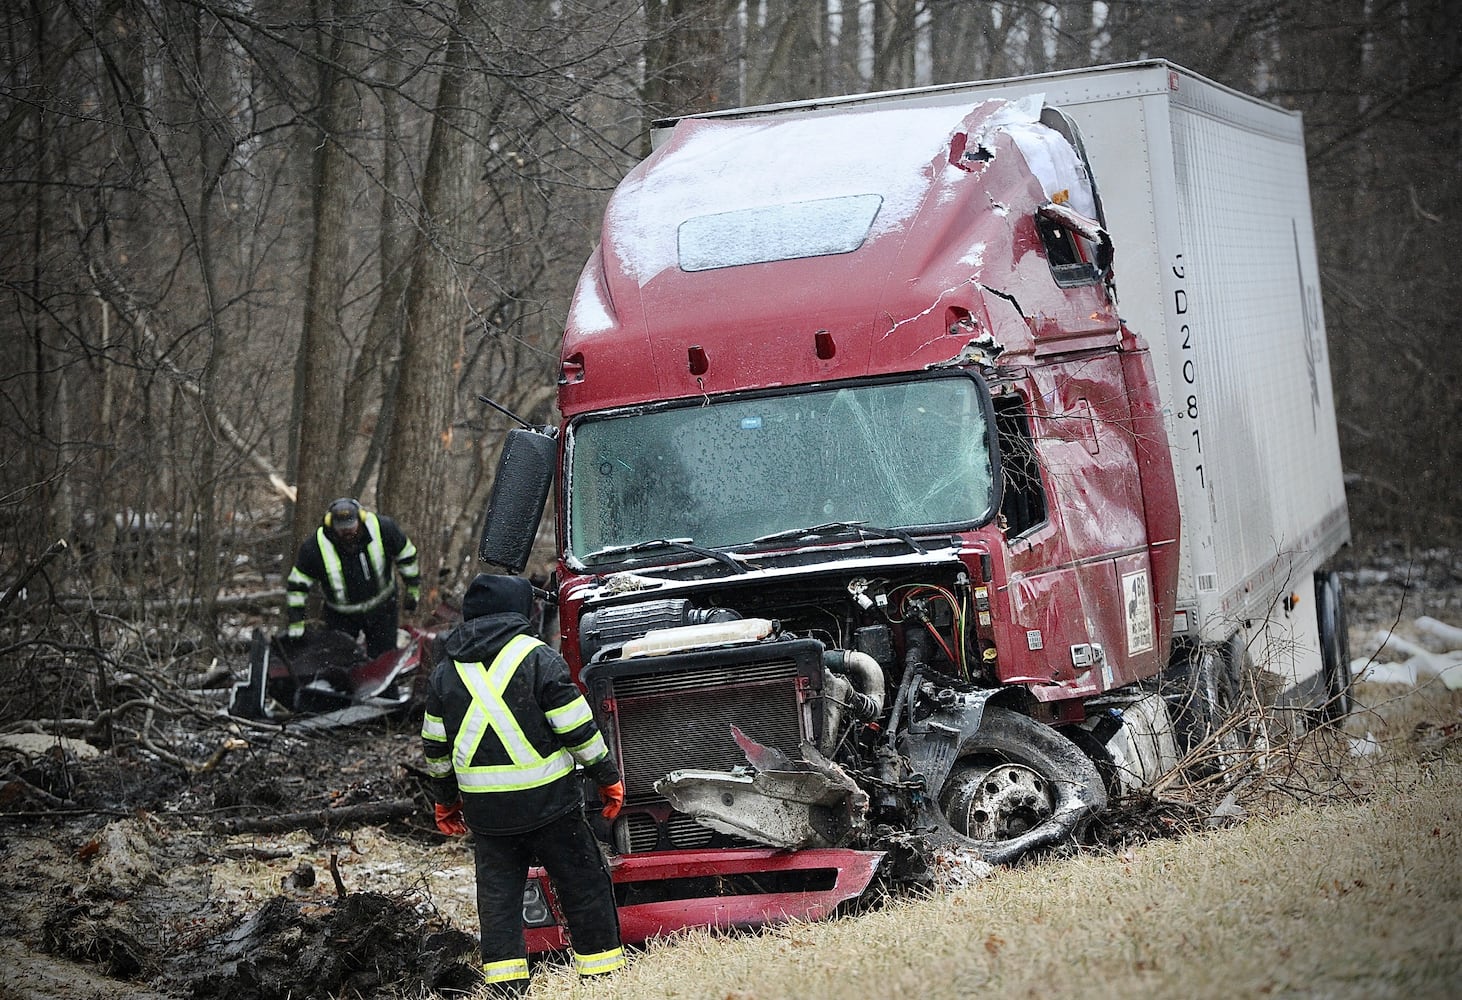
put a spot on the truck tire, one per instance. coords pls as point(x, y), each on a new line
point(1199, 690)
point(1204, 692)
point(1017, 785)
point(1334, 647)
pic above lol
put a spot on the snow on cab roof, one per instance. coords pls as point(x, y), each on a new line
point(728, 191)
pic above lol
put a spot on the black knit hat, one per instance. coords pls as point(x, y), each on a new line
point(495, 595)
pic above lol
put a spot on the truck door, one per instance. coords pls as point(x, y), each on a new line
point(1080, 584)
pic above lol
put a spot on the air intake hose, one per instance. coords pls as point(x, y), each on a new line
point(866, 676)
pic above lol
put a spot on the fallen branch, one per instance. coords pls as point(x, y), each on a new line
point(254, 599)
point(370, 812)
point(252, 853)
point(52, 551)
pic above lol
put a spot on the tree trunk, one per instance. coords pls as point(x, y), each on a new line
point(372, 385)
point(684, 58)
point(420, 439)
point(324, 356)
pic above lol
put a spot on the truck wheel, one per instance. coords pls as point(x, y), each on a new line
point(1334, 647)
point(1203, 695)
point(1018, 785)
point(1200, 693)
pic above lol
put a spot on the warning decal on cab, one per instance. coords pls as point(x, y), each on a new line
point(1137, 601)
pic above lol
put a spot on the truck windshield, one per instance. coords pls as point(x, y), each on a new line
point(912, 454)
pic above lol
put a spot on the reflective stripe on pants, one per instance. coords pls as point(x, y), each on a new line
point(568, 851)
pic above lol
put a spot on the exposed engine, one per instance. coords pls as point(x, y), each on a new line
point(825, 715)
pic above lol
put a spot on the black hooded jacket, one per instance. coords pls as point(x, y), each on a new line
point(507, 792)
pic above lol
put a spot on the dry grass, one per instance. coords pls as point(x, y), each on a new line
point(1344, 881)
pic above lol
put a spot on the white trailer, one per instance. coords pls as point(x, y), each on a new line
point(1205, 194)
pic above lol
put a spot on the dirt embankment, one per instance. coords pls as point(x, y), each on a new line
point(130, 883)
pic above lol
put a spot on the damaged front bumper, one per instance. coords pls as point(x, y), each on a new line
point(662, 893)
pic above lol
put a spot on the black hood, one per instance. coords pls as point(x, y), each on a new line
point(495, 595)
point(494, 609)
point(481, 638)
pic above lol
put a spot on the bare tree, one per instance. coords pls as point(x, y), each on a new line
point(323, 362)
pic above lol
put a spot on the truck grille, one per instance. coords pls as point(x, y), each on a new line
point(675, 712)
point(670, 722)
point(678, 832)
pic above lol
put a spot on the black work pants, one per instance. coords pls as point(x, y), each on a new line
point(568, 851)
point(379, 625)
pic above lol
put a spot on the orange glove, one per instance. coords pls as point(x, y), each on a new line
point(613, 798)
point(449, 819)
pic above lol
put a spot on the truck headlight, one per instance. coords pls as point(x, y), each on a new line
point(536, 912)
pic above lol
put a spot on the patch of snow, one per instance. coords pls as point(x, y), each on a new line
point(771, 169)
point(1365, 746)
point(40, 744)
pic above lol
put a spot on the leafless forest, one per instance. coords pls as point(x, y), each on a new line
point(259, 255)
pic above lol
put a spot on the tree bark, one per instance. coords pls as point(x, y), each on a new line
point(324, 355)
point(420, 439)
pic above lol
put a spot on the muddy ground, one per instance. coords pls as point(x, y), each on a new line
point(137, 878)
point(128, 875)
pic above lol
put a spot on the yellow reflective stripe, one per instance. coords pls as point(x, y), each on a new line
point(600, 963)
point(406, 560)
point(433, 728)
point(512, 778)
point(528, 769)
point(505, 971)
point(374, 602)
point(334, 571)
point(375, 548)
point(567, 718)
point(438, 767)
point(591, 751)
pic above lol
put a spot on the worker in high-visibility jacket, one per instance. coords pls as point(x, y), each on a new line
point(504, 730)
point(354, 556)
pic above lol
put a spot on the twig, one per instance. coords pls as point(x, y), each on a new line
point(335, 874)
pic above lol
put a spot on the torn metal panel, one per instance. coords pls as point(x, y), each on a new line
point(793, 804)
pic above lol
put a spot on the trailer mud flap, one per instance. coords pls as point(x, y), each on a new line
point(663, 892)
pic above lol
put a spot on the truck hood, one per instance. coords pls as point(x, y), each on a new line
point(800, 564)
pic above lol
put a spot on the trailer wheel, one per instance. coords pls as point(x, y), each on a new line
point(1334, 647)
point(1205, 696)
point(1018, 785)
point(1200, 692)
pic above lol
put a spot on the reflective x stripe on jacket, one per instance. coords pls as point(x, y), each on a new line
point(527, 768)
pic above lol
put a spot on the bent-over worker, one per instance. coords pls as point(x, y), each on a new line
point(504, 727)
point(351, 556)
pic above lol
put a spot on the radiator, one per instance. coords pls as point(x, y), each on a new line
point(675, 712)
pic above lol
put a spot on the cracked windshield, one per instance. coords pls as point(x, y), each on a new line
point(907, 454)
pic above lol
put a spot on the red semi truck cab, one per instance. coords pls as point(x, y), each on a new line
point(868, 520)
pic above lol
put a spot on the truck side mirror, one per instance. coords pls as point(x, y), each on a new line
point(519, 493)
